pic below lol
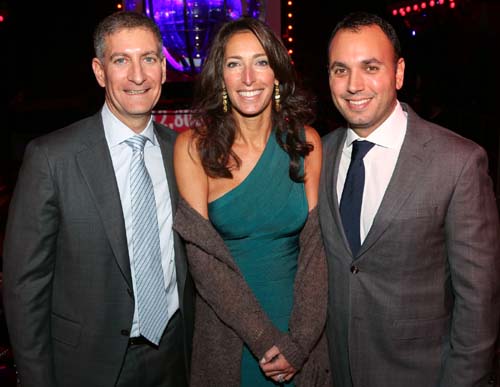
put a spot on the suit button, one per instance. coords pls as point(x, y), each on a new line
point(125, 332)
point(354, 269)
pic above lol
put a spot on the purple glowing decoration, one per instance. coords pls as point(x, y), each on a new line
point(187, 26)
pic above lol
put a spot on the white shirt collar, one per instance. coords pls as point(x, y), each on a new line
point(388, 135)
point(117, 132)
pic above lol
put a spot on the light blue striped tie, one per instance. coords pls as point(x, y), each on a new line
point(151, 297)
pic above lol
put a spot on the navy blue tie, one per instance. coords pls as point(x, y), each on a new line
point(352, 195)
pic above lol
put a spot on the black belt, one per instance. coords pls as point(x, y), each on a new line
point(141, 340)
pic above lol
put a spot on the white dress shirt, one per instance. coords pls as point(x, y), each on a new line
point(121, 155)
point(379, 163)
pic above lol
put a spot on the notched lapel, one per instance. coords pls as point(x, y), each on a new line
point(332, 172)
point(411, 165)
point(97, 168)
point(332, 156)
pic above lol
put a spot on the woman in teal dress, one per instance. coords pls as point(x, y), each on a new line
point(248, 173)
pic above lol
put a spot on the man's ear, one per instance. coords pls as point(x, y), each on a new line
point(163, 70)
point(99, 73)
point(400, 73)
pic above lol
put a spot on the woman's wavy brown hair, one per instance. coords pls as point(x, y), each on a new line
point(214, 130)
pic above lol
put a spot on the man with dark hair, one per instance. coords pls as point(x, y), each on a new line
point(96, 288)
point(411, 231)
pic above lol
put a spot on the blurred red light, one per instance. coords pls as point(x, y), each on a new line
point(415, 7)
point(432, 3)
point(452, 5)
point(423, 5)
point(408, 9)
point(394, 12)
point(2, 18)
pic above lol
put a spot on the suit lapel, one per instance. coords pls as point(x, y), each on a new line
point(332, 172)
point(334, 199)
point(97, 169)
point(411, 164)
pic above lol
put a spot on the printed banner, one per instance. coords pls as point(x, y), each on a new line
point(177, 120)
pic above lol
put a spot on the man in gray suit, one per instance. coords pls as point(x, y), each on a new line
point(72, 270)
point(410, 227)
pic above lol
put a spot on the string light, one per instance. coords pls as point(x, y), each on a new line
point(287, 36)
point(119, 6)
point(4, 16)
point(405, 9)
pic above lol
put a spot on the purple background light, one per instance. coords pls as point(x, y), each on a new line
point(187, 26)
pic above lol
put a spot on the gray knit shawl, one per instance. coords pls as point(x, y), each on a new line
point(227, 313)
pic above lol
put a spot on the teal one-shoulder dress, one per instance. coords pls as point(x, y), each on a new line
point(260, 221)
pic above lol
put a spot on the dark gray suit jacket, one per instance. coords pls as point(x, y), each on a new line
point(418, 305)
point(67, 283)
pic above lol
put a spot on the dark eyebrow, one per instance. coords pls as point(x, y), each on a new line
point(365, 62)
point(255, 56)
point(152, 52)
point(371, 61)
point(147, 53)
point(115, 54)
point(337, 64)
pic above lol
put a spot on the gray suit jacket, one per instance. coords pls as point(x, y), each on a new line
point(67, 283)
point(419, 304)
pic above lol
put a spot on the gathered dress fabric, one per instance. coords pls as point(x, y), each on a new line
point(260, 271)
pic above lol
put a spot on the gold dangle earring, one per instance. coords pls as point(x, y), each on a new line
point(224, 99)
point(277, 96)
